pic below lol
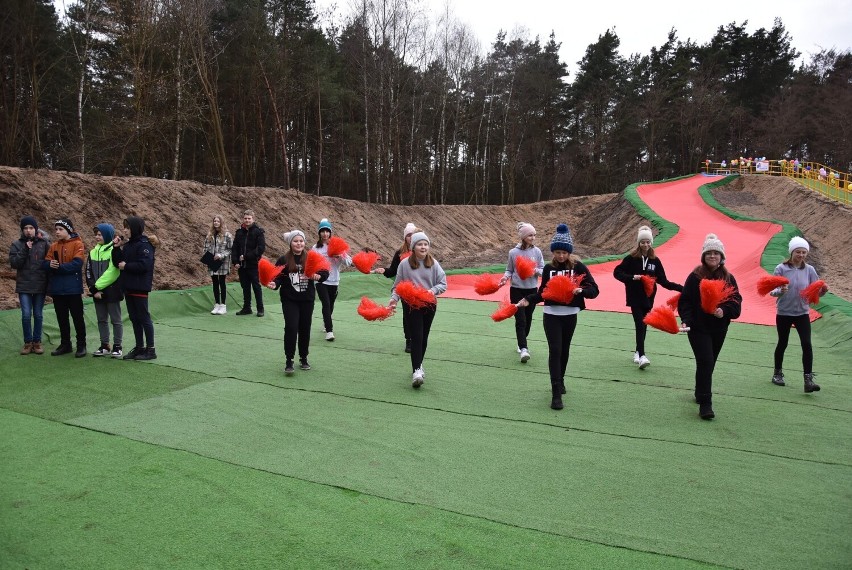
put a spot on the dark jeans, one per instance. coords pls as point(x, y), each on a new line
point(72, 305)
point(297, 327)
point(250, 280)
point(641, 328)
point(420, 323)
point(140, 318)
point(523, 318)
point(220, 291)
point(803, 327)
point(706, 347)
point(559, 330)
point(32, 315)
point(327, 294)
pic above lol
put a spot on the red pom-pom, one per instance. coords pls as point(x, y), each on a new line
point(315, 263)
point(524, 267)
point(415, 296)
point(365, 260)
point(768, 283)
point(337, 246)
point(714, 292)
point(505, 311)
point(486, 284)
point(812, 292)
point(267, 271)
point(560, 289)
point(662, 318)
point(673, 301)
point(648, 283)
point(405, 256)
point(372, 311)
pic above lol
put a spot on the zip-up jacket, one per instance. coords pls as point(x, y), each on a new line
point(250, 243)
point(67, 279)
point(31, 276)
point(138, 256)
point(101, 275)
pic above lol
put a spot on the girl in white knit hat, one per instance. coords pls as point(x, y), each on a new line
point(390, 272)
point(793, 310)
point(520, 287)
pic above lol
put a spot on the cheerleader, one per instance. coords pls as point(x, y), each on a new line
point(520, 287)
point(327, 290)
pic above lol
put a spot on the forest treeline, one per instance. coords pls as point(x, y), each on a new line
point(394, 105)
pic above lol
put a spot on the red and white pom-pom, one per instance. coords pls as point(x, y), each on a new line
point(415, 296)
point(714, 292)
point(560, 289)
point(337, 246)
point(524, 267)
point(505, 311)
point(769, 283)
point(372, 311)
point(486, 284)
point(267, 271)
point(648, 283)
point(673, 301)
point(315, 262)
point(662, 318)
point(812, 292)
point(405, 256)
point(365, 260)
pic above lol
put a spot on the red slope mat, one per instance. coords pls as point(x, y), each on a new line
point(679, 202)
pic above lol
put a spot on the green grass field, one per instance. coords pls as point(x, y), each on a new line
point(210, 457)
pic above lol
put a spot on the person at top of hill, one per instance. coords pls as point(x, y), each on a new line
point(218, 244)
point(327, 290)
point(102, 280)
point(391, 271)
point(522, 287)
point(642, 261)
point(249, 246)
point(707, 331)
point(793, 311)
point(25, 256)
point(64, 261)
point(560, 318)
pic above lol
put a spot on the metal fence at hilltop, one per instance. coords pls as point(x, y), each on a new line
point(829, 182)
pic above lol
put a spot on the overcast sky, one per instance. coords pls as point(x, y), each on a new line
point(813, 25)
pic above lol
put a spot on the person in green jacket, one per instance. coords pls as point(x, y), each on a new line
point(102, 279)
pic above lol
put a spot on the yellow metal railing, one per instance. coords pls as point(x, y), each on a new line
point(813, 175)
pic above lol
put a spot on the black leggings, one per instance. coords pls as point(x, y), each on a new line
point(640, 326)
point(803, 327)
point(523, 318)
point(420, 323)
point(706, 347)
point(220, 294)
point(327, 294)
point(297, 327)
point(559, 330)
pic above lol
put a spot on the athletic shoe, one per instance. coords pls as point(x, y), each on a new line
point(417, 378)
point(636, 357)
point(778, 378)
point(519, 350)
point(102, 351)
point(133, 352)
point(116, 351)
point(260, 312)
point(147, 354)
point(244, 311)
point(303, 364)
point(223, 309)
point(705, 412)
point(215, 310)
point(525, 355)
point(288, 368)
point(329, 336)
point(644, 362)
point(62, 349)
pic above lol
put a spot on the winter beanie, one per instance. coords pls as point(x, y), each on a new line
point(29, 221)
point(645, 233)
point(525, 230)
point(291, 235)
point(420, 236)
point(562, 240)
point(409, 229)
point(324, 225)
point(712, 243)
point(65, 223)
point(799, 242)
point(107, 231)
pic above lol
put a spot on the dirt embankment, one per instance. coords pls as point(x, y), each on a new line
point(179, 213)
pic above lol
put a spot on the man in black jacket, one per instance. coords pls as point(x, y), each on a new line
point(248, 248)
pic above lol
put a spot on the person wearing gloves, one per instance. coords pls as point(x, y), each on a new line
point(707, 331)
point(298, 292)
point(560, 319)
point(327, 290)
point(64, 262)
point(135, 260)
point(25, 256)
point(424, 271)
point(102, 280)
point(521, 288)
point(641, 261)
point(793, 310)
point(391, 271)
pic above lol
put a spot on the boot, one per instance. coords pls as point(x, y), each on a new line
point(146, 354)
point(705, 411)
point(556, 402)
point(38, 348)
point(27, 348)
point(62, 349)
point(81, 351)
point(810, 385)
point(778, 378)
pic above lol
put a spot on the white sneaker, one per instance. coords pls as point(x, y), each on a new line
point(417, 378)
point(525, 355)
point(519, 350)
point(329, 336)
point(223, 309)
point(644, 362)
point(215, 310)
point(636, 357)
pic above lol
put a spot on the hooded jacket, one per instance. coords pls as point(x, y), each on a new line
point(31, 276)
point(249, 242)
point(138, 256)
point(101, 274)
point(67, 279)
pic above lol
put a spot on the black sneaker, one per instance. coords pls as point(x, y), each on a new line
point(102, 351)
point(62, 349)
point(260, 312)
point(705, 412)
point(288, 368)
point(81, 351)
point(133, 352)
point(556, 403)
point(243, 311)
point(778, 378)
point(116, 351)
point(303, 364)
point(147, 354)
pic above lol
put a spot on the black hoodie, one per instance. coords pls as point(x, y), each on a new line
point(138, 256)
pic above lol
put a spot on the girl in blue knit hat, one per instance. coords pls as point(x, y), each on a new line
point(327, 290)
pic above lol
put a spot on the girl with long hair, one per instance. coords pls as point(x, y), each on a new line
point(218, 243)
point(522, 287)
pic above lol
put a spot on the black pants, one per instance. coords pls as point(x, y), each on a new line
point(420, 323)
point(140, 318)
point(406, 320)
point(803, 327)
point(65, 306)
point(220, 292)
point(250, 280)
point(523, 318)
point(706, 347)
point(559, 330)
point(297, 327)
point(327, 294)
point(640, 326)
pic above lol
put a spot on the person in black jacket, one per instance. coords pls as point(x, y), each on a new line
point(248, 248)
point(642, 261)
point(136, 261)
point(560, 319)
point(707, 331)
point(25, 256)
